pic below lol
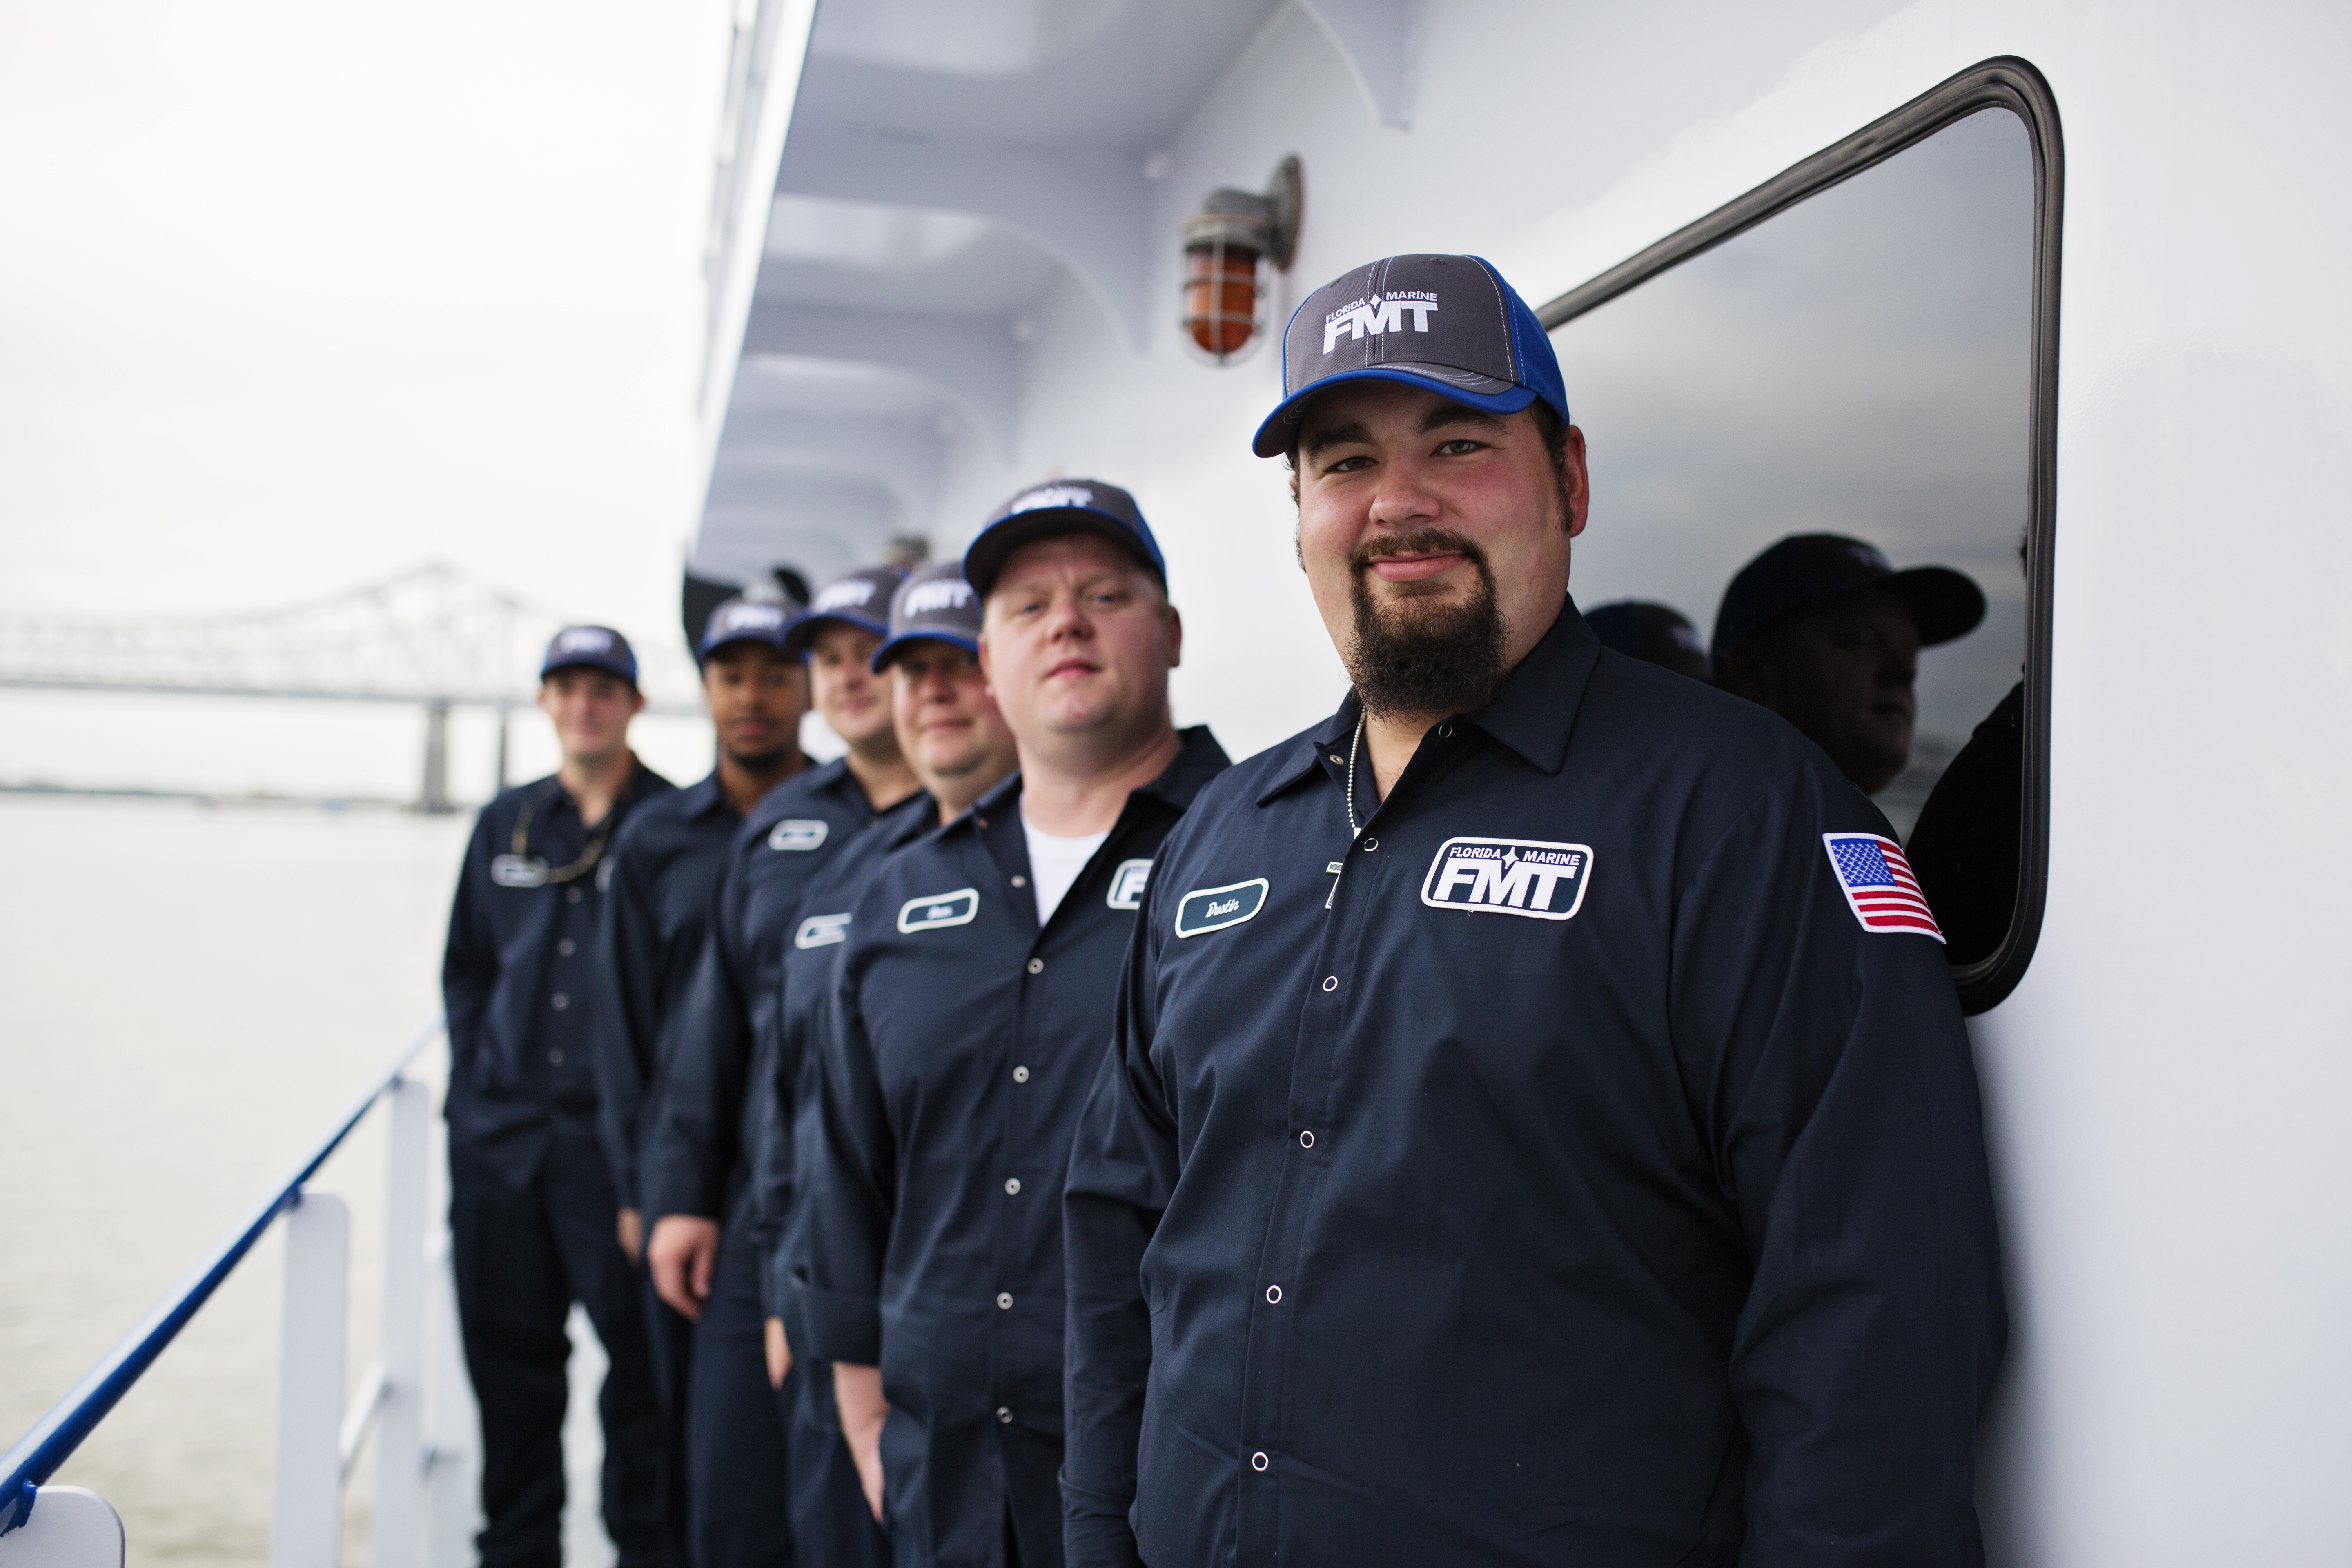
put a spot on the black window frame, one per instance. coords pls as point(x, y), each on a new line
point(2007, 82)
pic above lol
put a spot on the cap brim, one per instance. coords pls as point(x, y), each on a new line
point(803, 633)
point(995, 545)
point(1484, 393)
point(702, 655)
point(889, 650)
point(599, 665)
point(1946, 604)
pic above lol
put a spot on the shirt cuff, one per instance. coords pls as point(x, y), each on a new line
point(1095, 1530)
point(843, 1328)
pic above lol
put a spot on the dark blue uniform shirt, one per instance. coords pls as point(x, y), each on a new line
point(697, 1155)
point(1572, 1179)
point(657, 913)
point(515, 979)
point(960, 1048)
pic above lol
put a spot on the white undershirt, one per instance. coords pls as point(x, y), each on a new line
point(1054, 863)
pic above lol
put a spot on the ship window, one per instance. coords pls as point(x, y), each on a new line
point(1861, 348)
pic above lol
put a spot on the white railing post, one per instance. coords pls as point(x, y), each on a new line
point(70, 1528)
point(400, 1433)
point(306, 1516)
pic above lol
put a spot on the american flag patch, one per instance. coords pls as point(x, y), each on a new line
point(1878, 883)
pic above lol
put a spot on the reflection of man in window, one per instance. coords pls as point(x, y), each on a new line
point(1822, 631)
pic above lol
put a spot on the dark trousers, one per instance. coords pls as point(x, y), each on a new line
point(522, 1257)
point(671, 1335)
point(737, 1459)
point(830, 1519)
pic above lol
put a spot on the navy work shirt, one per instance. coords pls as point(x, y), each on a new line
point(961, 1045)
point(791, 1078)
point(657, 913)
point(695, 1156)
point(1573, 1179)
point(514, 978)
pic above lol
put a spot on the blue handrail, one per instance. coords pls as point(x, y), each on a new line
point(53, 1439)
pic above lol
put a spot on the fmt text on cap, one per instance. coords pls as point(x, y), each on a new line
point(861, 600)
point(745, 620)
point(1448, 323)
point(934, 602)
point(1062, 506)
point(590, 648)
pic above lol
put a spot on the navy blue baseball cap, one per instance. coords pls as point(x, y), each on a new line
point(933, 602)
point(746, 620)
point(861, 600)
point(1807, 569)
point(1656, 634)
point(1062, 506)
point(1448, 323)
point(591, 647)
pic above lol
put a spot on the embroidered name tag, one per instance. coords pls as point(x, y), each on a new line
point(797, 833)
point(823, 930)
point(1529, 877)
point(1205, 909)
point(956, 908)
point(1126, 884)
point(518, 871)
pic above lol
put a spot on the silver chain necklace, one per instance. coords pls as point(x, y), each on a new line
point(1353, 826)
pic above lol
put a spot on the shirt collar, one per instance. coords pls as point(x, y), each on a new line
point(702, 799)
point(1199, 758)
point(1533, 717)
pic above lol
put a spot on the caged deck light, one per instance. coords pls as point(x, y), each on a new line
point(1231, 246)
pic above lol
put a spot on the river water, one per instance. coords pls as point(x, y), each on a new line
point(189, 995)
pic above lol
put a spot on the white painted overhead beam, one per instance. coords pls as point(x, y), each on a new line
point(1375, 37)
point(787, 443)
point(971, 363)
point(1088, 208)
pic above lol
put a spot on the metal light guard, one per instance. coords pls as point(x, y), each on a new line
point(1232, 246)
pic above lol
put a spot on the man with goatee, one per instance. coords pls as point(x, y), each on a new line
point(1539, 1127)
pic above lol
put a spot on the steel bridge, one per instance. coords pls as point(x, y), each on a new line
point(431, 636)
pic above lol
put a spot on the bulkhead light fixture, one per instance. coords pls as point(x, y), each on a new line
point(1231, 246)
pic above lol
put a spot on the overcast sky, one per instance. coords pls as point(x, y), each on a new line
point(294, 295)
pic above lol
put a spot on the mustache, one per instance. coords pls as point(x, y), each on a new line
point(1416, 542)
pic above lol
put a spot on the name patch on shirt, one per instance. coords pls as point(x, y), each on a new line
point(956, 908)
point(797, 833)
point(1205, 909)
point(1126, 884)
point(518, 871)
point(1529, 877)
point(1878, 885)
point(823, 930)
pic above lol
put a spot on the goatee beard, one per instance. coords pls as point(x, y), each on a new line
point(1416, 657)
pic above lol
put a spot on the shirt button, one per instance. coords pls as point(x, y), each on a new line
point(1258, 1462)
point(1330, 983)
point(1273, 1295)
point(559, 1000)
point(1037, 965)
point(1020, 881)
point(1446, 731)
point(1004, 1300)
point(1371, 845)
point(556, 1056)
point(1305, 1139)
point(564, 948)
point(571, 895)
point(1013, 1186)
point(1004, 1415)
point(1020, 1074)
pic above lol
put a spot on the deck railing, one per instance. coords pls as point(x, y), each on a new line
point(42, 1526)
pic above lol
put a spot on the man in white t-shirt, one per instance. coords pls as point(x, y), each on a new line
point(972, 1010)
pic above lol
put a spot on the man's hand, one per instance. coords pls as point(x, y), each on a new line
point(682, 1253)
point(631, 1229)
point(780, 1353)
point(858, 1391)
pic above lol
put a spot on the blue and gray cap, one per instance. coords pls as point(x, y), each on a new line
point(746, 620)
point(861, 600)
point(590, 648)
point(1448, 323)
point(1062, 506)
point(934, 602)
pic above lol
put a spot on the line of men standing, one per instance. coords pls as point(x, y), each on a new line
point(1030, 1139)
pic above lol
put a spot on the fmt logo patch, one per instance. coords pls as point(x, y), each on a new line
point(821, 930)
point(1127, 884)
point(1378, 314)
point(798, 833)
point(956, 908)
point(1205, 909)
point(1508, 877)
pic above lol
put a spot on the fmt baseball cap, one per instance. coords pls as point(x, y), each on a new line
point(1805, 569)
point(1062, 506)
point(591, 647)
point(861, 600)
point(933, 602)
point(1448, 323)
point(746, 620)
